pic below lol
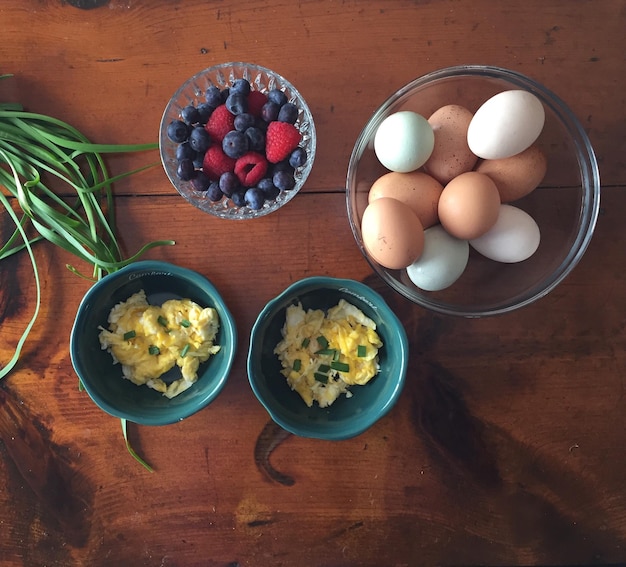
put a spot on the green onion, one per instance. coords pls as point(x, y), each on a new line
point(361, 351)
point(42, 156)
point(152, 349)
point(305, 342)
point(185, 323)
point(297, 365)
point(184, 351)
point(322, 341)
point(326, 351)
point(323, 378)
point(162, 321)
point(340, 366)
point(324, 368)
point(129, 335)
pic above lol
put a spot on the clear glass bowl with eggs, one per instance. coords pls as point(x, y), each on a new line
point(532, 234)
point(193, 92)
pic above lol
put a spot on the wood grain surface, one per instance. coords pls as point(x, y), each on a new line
point(508, 445)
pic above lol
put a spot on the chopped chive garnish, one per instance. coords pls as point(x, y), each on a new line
point(328, 351)
point(336, 355)
point(185, 323)
point(340, 366)
point(184, 351)
point(323, 378)
point(297, 364)
point(162, 321)
point(154, 349)
point(324, 368)
point(305, 342)
point(361, 351)
point(129, 335)
point(322, 341)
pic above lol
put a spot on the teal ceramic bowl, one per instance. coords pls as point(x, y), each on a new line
point(103, 379)
point(346, 417)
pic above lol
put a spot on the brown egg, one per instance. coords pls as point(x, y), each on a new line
point(392, 233)
point(451, 155)
point(469, 205)
point(518, 175)
point(419, 191)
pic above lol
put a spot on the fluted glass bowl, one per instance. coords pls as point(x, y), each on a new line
point(565, 205)
point(193, 92)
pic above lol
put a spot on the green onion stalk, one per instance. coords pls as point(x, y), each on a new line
point(35, 150)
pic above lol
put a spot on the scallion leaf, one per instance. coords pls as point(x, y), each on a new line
point(129, 335)
point(305, 342)
point(361, 351)
point(185, 323)
point(323, 378)
point(340, 366)
point(184, 351)
point(322, 341)
point(162, 321)
point(326, 351)
point(297, 365)
point(324, 368)
point(152, 349)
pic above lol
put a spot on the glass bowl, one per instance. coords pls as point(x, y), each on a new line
point(103, 380)
point(565, 205)
point(193, 92)
point(346, 417)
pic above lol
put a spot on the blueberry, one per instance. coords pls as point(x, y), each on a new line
point(213, 96)
point(241, 86)
point(288, 113)
point(282, 166)
point(190, 114)
point(269, 111)
point(297, 157)
point(185, 170)
point(229, 183)
point(214, 193)
point(238, 198)
point(224, 94)
point(200, 182)
point(256, 139)
point(261, 124)
point(269, 189)
point(237, 103)
point(198, 160)
point(199, 139)
point(254, 198)
point(284, 181)
point(277, 96)
point(177, 131)
point(235, 144)
point(204, 112)
point(244, 121)
point(185, 151)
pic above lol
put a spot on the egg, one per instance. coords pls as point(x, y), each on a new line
point(506, 124)
point(515, 237)
point(416, 189)
point(403, 141)
point(469, 205)
point(451, 154)
point(442, 262)
point(518, 175)
point(392, 234)
point(149, 340)
point(323, 354)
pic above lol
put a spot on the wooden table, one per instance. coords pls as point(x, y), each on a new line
point(508, 446)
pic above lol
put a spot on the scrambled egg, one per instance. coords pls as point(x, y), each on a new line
point(149, 340)
point(324, 354)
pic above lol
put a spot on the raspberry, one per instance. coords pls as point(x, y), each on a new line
point(216, 162)
point(280, 140)
point(251, 168)
point(256, 100)
point(220, 123)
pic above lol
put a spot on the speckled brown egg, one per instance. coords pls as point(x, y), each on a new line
point(418, 190)
point(518, 175)
point(469, 205)
point(451, 154)
point(392, 234)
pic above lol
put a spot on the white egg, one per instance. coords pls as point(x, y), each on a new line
point(404, 141)
point(514, 238)
point(506, 124)
point(442, 262)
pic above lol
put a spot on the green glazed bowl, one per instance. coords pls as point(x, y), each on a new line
point(346, 417)
point(103, 379)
